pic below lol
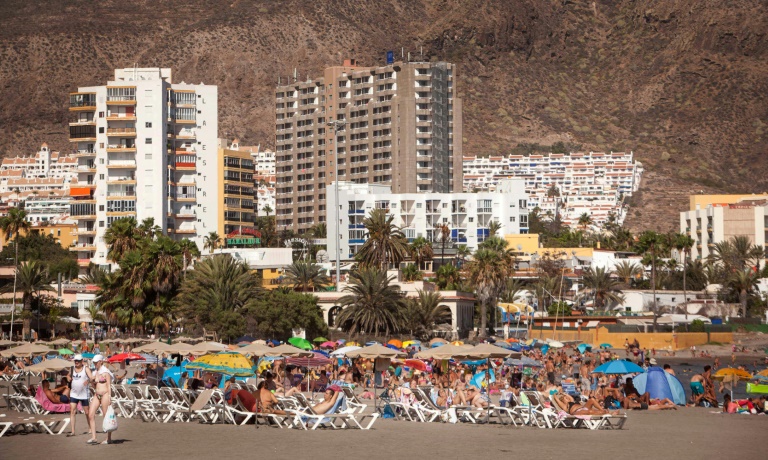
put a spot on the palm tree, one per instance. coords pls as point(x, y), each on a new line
point(411, 272)
point(627, 271)
point(585, 220)
point(12, 225)
point(684, 243)
point(743, 282)
point(211, 242)
point(121, 237)
point(448, 277)
point(512, 290)
point(165, 274)
point(463, 252)
point(425, 312)
point(385, 242)
point(421, 251)
point(189, 252)
point(94, 311)
point(488, 272)
point(215, 286)
point(444, 233)
point(305, 277)
point(94, 274)
point(32, 279)
point(148, 229)
point(604, 288)
point(319, 230)
point(372, 304)
point(54, 317)
point(649, 244)
point(494, 227)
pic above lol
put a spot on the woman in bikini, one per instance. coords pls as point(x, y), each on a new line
point(101, 396)
point(566, 403)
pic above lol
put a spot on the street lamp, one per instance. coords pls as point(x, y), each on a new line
point(337, 126)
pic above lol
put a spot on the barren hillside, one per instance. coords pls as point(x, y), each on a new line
point(683, 83)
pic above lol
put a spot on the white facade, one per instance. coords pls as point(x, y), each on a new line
point(147, 149)
point(591, 183)
point(468, 215)
point(721, 222)
point(47, 209)
point(44, 164)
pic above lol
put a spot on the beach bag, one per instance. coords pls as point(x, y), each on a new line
point(388, 412)
point(110, 421)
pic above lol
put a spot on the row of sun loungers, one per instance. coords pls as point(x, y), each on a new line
point(534, 413)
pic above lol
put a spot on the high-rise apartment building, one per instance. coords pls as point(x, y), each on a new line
point(146, 149)
point(398, 125)
point(236, 219)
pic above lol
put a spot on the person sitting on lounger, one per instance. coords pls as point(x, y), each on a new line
point(54, 395)
point(472, 397)
point(268, 399)
point(566, 403)
point(329, 400)
point(632, 397)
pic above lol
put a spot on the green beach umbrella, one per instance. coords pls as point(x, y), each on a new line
point(321, 340)
point(298, 342)
point(66, 351)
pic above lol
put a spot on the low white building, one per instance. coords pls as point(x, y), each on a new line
point(467, 215)
point(54, 207)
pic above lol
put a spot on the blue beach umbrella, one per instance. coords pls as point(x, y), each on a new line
point(618, 367)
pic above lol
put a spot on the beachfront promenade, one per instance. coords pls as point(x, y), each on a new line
point(688, 433)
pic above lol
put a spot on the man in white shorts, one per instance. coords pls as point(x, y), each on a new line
point(79, 393)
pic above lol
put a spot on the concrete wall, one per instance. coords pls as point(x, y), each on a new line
point(658, 340)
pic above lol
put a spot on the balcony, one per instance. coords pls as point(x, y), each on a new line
point(83, 247)
point(183, 215)
point(121, 132)
point(121, 180)
point(82, 102)
point(84, 262)
point(182, 231)
point(121, 148)
point(121, 117)
point(180, 121)
point(121, 100)
point(86, 168)
point(85, 153)
point(121, 164)
point(86, 232)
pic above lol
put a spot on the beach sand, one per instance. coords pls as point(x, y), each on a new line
point(688, 433)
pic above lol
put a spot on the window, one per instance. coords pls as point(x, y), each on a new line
point(418, 205)
point(148, 140)
point(101, 130)
point(101, 224)
point(148, 124)
point(101, 114)
point(471, 219)
point(512, 219)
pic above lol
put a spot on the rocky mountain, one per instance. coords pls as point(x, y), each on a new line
point(683, 83)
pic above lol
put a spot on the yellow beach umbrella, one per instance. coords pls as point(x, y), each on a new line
point(458, 343)
point(227, 362)
point(730, 371)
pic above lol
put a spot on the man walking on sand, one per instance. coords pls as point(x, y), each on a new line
point(79, 393)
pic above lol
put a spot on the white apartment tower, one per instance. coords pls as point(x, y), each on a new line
point(146, 148)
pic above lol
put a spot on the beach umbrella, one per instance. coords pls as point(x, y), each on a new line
point(486, 351)
point(322, 352)
point(26, 350)
point(410, 343)
point(88, 355)
point(555, 344)
point(375, 351)
point(225, 362)
point(343, 351)
point(444, 352)
point(416, 364)
point(273, 342)
point(437, 340)
point(260, 342)
point(582, 347)
point(618, 367)
point(606, 345)
point(7, 343)
point(390, 346)
point(512, 340)
point(288, 351)
point(505, 345)
point(254, 349)
point(321, 340)
point(523, 361)
point(120, 357)
point(50, 365)
point(299, 342)
point(153, 347)
point(180, 348)
point(437, 344)
point(458, 343)
point(372, 342)
point(313, 361)
point(341, 341)
point(395, 342)
point(61, 341)
point(66, 351)
point(352, 344)
point(544, 349)
point(208, 347)
point(327, 344)
point(245, 338)
point(721, 374)
point(149, 359)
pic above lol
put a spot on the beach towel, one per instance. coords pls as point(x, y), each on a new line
point(51, 406)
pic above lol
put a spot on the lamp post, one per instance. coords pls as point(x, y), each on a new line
point(337, 126)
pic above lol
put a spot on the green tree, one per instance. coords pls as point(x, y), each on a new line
point(421, 251)
point(448, 277)
point(94, 311)
point(463, 252)
point(494, 227)
point(488, 271)
point(628, 271)
point(211, 242)
point(215, 294)
point(743, 283)
point(165, 277)
point(602, 287)
point(650, 244)
point(425, 312)
point(12, 224)
point(305, 277)
point(411, 273)
point(585, 220)
point(189, 252)
point(683, 244)
point(31, 279)
point(121, 237)
point(737, 253)
point(559, 309)
point(385, 242)
point(279, 312)
point(372, 304)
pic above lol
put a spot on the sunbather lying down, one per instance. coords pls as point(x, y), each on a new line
point(652, 404)
point(472, 397)
point(329, 400)
point(566, 403)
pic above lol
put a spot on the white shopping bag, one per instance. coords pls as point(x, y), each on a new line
point(110, 420)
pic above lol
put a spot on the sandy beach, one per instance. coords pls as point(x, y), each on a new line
point(688, 433)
